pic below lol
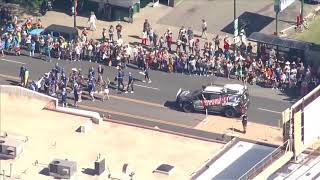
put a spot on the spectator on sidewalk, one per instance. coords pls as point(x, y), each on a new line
point(131, 12)
point(146, 26)
point(204, 29)
point(111, 32)
point(92, 22)
point(119, 30)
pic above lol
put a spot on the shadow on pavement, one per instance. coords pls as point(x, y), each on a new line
point(251, 22)
point(172, 105)
point(12, 82)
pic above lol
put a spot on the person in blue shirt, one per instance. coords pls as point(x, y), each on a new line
point(91, 89)
point(64, 97)
point(130, 83)
point(48, 52)
point(147, 75)
point(75, 94)
point(119, 78)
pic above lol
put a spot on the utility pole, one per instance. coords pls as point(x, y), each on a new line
point(234, 10)
point(302, 4)
point(277, 23)
point(277, 10)
point(75, 13)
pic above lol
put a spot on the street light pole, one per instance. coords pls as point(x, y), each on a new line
point(302, 6)
point(234, 10)
point(277, 23)
point(75, 13)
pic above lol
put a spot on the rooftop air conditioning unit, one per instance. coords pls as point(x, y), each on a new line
point(63, 169)
point(10, 148)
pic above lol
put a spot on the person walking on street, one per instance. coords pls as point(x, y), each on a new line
point(147, 75)
point(204, 29)
point(119, 78)
point(106, 90)
point(244, 123)
point(91, 89)
point(26, 77)
point(131, 14)
point(130, 83)
point(64, 97)
point(21, 75)
point(76, 95)
point(92, 22)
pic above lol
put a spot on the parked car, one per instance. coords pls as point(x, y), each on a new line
point(231, 100)
point(69, 33)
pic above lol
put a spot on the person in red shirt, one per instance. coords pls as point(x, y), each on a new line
point(226, 45)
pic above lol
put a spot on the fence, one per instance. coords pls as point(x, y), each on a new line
point(267, 161)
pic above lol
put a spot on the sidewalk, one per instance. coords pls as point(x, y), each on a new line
point(131, 32)
point(255, 132)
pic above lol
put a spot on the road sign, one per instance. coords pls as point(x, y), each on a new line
point(236, 27)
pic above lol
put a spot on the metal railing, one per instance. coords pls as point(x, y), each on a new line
point(265, 162)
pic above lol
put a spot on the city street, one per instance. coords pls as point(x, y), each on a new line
point(152, 102)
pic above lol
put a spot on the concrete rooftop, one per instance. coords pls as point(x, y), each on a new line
point(53, 135)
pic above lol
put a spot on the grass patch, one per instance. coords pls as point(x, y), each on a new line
point(310, 35)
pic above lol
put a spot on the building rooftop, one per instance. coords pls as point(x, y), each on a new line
point(53, 135)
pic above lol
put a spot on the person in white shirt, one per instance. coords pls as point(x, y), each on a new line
point(204, 29)
point(92, 21)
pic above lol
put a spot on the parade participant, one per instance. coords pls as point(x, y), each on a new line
point(21, 75)
point(91, 89)
point(100, 70)
point(26, 77)
point(64, 97)
point(2, 46)
point(147, 75)
point(75, 95)
point(119, 79)
point(106, 90)
point(130, 83)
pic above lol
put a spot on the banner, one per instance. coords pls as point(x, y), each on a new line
point(280, 5)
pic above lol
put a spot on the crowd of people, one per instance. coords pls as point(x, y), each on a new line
point(186, 53)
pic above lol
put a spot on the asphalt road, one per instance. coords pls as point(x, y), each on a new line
point(154, 101)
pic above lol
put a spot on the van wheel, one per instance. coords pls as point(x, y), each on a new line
point(187, 107)
point(230, 113)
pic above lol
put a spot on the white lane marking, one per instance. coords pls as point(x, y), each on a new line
point(17, 62)
point(147, 87)
point(268, 110)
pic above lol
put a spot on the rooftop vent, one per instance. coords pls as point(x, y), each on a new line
point(164, 169)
